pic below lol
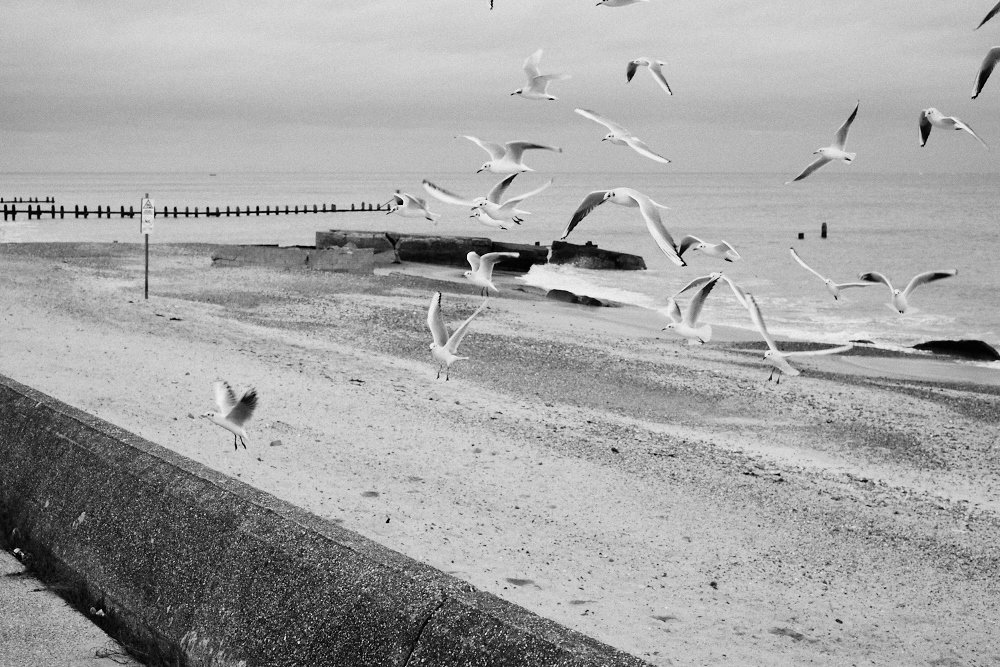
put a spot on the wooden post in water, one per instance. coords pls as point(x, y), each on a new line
point(822, 231)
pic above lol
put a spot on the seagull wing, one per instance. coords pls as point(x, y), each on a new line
point(225, 397)
point(990, 14)
point(244, 408)
point(521, 197)
point(474, 260)
point(656, 69)
point(597, 118)
point(496, 151)
point(456, 338)
point(487, 261)
point(589, 203)
point(640, 147)
point(698, 302)
point(697, 282)
point(805, 266)
point(927, 277)
point(848, 285)
point(687, 241)
point(655, 226)
point(738, 292)
point(875, 277)
point(816, 353)
point(813, 166)
point(435, 322)
point(759, 321)
point(962, 125)
point(447, 197)
point(989, 62)
point(501, 187)
point(925, 129)
point(840, 140)
point(515, 149)
point(630, 70)
point(531, 65)
point(673, 311)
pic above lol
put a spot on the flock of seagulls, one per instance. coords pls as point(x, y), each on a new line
point(495, 211)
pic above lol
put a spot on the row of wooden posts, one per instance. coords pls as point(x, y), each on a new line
point(27, 200)
point(11, 211)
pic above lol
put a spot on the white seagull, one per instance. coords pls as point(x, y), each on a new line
point(233, 412)
point(538, 83)
point(484, 218)
point(832, 287)
point(491, 204)
point(409, 206)
point(507, 159)
point(686, 325)
point(835, 151)
point(620, 136)
point(633, 198)
point(990, 14)
point(444, 348)
point(481, 274)
point(899, 297)
point(989, 62)
point(931, 117)
point(655, 68)
point(775, 357)
point(722, 250)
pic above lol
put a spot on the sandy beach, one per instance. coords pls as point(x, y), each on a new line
point(665, 499)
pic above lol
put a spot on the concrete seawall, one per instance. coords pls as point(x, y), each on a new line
point(200, 569)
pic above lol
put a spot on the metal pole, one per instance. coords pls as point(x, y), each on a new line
point(146, 290)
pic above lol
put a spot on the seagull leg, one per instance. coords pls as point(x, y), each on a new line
point(438, 376)
point(235, 446)
point(243, 442)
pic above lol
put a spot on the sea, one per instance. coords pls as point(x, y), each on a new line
point(899, 224)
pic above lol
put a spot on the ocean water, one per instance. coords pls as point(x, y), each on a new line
point(898, 224)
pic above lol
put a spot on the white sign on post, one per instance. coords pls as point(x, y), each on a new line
point(148, 213)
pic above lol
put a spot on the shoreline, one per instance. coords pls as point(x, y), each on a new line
point(663, 499)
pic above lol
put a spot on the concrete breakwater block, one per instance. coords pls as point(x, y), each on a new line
point(570, 297)
point(344, 260)
point(194, 567)
point(383, 244)
point(589, 256)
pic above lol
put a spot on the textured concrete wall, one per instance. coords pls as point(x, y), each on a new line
point(210, 571)
point(343, 260)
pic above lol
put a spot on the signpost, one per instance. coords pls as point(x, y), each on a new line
point(146, 228)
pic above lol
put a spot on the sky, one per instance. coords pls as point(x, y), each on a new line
point(388, 85)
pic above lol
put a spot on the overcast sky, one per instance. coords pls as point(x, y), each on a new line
point(385, 85)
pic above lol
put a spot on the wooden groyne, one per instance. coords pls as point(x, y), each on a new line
point(37, 211)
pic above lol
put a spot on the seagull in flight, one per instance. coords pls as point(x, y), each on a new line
point(686, 324)
point(986, 68)
point(444, 348)
point(775, 357)
point(632, 198)
point(490, 204)
point(481, 274)
point(931, 117)
point(409, 206)
point(655, 68)
point(507, 159)
point(620, 136)
point(538, 83)
point(832, 287)
point(834, 151)
point(233, 412)
point(900, 297)
point(722, 250)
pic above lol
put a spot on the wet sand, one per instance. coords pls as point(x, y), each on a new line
point(665, 499)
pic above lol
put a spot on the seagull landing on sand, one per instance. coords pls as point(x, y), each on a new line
point(633, 198)
point(507, 159)
point(687, 324)
point(491, 204)
point(835, 151)
point(722, 250)
point(444, 348)
point(832, 287)
point(931, 117)
point(409, 206)
point(233, 413)
point(481, 274)
point(620, 136)
point(775, 357)
point(899, 297)
point(538, 83)
point(655, 68)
